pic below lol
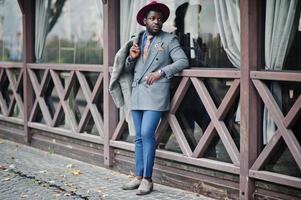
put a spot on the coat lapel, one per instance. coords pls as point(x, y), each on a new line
point(152, 52)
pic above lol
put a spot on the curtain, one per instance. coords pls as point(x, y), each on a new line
point(281, 25)
point(191, 24)
point(100, 13)
point(228, 22)
point(128, 22)
point(128, 27)
point(42, 24)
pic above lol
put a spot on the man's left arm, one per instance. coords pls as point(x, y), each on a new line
point(179, 59)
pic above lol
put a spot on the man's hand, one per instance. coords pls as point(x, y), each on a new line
point(152, 77)
point(134, 51)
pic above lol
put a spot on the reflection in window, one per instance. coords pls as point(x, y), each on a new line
point(11, 34)
point(293, 60)
point(69, 31)
point(194, 22)
point(281, 160)
point(194, 119)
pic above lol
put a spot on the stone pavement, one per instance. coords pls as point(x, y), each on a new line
point(29, 173)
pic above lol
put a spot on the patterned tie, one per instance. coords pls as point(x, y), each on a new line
point(146, 47)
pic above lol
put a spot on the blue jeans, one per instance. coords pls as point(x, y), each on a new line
point(145, 122)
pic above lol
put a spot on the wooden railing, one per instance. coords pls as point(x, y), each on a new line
point(196, 77)
point(11, 94)
point(190, 77)
point(72, 74)
point(284, 125)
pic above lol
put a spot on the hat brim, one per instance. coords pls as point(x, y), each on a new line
point(157, 6)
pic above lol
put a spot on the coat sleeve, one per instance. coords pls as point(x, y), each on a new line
point(178, 57)
point(129, 65)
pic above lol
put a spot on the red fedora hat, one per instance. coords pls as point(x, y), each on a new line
point(153, 5)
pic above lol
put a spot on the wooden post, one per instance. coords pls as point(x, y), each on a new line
point(110, 38)
point(251, 60)
point(28, 13)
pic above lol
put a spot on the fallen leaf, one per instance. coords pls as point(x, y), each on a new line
point(75, 172)
point(12, 166)
point(6, 179)
point(24, 196)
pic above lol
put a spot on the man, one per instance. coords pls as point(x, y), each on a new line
point(154, 57)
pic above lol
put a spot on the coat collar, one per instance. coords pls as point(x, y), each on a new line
point(153, 51)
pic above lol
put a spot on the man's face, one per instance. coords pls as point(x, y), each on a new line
point(153, 22)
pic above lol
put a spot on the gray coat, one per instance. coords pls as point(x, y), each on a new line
point(165, 53)
point(121, 80)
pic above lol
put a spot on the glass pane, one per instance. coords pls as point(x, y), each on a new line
point(196, 26)
point(293, 60)
point(11, 33)
point(77, 101)
point(5, 91)
point(192, 117)
point(283, 162)
point(194, 23)
point(51, 98)
point(289, 41)
point(74, 32)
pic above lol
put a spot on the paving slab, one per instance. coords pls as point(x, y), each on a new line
point(30, 173)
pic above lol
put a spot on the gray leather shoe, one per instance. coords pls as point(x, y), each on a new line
point(133, 184)
point(145, 187)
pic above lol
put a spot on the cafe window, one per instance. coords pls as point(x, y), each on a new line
point(195, 24)
point(69, 31)
point(11, 34)
point(282, 53)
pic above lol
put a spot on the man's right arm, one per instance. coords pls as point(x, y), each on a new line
point(131, 59)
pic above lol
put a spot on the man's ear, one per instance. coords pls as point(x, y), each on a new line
point(144, 21)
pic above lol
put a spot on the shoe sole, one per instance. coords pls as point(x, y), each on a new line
point(144, 193)
point(133, 188)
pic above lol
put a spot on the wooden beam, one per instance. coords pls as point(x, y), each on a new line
point(66, 133)
point(178, 133)
point(202, 162)
point(67, 67)
point(274, 75)
point(28, 10)
point(110, 38)
point(251, 59)
point(8, 65)
point(90, 106)
point(277, 116)
point(119, 129)
point(179, 95)
point(211, 73)
point(220, 126)
point(221, 113)
point(277, 178)
point(69, 113)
